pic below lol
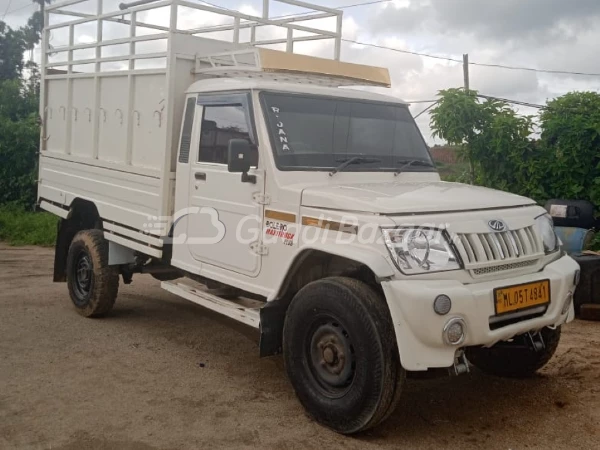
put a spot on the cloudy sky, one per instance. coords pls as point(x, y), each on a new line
point(544, 34)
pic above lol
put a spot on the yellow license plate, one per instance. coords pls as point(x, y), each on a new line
point(523, 296)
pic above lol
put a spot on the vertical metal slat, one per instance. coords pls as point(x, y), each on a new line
point(478, 249)
point(495, 246)
point(532, 239)
point(468, 249)
point(486, 246)
point(519, 244)
point(527, 246)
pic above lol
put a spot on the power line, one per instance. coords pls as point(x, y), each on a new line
point(6, 10)
point(514, 102)
point(408, 52)
point(286, 16)
point(426, 109)
point(7, 13)
point(533, 105)
point(487, 97)
point(531, 69)
point(472, 63)
point(373, 2)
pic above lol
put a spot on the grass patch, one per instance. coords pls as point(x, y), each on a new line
point(20, 227)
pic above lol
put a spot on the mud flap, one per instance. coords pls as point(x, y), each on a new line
point(272, 319)
point(64, 236)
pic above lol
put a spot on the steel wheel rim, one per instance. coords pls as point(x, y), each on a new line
point(330, 357)
point(83, 277)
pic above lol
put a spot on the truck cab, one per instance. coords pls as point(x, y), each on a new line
point(265, 186)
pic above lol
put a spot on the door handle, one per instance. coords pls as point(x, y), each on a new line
point(200, 176)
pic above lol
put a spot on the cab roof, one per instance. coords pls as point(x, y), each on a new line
point(252, 84)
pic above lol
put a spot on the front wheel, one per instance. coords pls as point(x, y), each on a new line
point(515, 359)
point(340, 354)
point(93, 284)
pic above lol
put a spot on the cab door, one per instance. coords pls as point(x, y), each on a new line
point(224, 220)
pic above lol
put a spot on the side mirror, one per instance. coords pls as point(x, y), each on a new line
point(240, 154)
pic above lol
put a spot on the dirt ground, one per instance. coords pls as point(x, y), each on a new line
point(162, 373)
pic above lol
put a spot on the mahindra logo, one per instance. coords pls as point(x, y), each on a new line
point(497, 225)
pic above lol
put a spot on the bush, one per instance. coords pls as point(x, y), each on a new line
point(20, 227)
point(571, 141)
point(496, 141)
point(19, 143)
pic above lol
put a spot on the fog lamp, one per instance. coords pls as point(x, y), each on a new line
point(455, 331)
point(442, 305)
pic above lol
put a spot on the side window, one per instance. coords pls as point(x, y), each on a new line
point(186, 132)
point(220, 124)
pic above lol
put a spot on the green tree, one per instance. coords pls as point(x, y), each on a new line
point(571, 137)
point(33, 30)
point(12, 46)
point(492, 137)
point(564, 163)
point(19, 143)
point(19, 122)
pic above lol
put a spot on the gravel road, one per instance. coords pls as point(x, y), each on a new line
point(162, 373)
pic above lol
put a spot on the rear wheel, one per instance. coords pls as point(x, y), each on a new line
point(515, 359)
point(340, 354)
point(93, 284)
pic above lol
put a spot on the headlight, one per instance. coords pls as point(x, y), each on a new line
point(420, 250)
point(545, 228)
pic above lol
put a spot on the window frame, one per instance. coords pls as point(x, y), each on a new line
point(192, 106)
point(243, 98)
point(265, 107)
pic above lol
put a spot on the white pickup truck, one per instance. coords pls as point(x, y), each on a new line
point(252, 182)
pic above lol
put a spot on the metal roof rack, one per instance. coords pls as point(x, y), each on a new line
point(169, 18)
point(148, 22)
point(281, 66)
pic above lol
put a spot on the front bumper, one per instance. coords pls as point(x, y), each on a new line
point(419, 330)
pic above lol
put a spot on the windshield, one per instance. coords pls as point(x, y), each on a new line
point(320, 133)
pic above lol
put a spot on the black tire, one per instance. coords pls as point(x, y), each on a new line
point(340, 354)
point(515, 359)
point(93, 284)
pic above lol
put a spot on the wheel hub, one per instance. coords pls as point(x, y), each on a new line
point(331, 356)
point(83, 274)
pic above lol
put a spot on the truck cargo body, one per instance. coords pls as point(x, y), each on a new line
point(112, 138)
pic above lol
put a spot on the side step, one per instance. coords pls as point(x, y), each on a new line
point(230, 308)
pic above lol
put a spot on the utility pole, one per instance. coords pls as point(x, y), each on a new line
point(43, 13)
point(467, 90)
point(466, 70)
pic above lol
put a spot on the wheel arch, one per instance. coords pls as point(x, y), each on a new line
point(83, 215)
point(311, 264)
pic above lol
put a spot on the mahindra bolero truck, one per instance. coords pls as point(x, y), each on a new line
point(287, 192)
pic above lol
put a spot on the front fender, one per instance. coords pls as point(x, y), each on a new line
point(272, 315)
point(377, 262)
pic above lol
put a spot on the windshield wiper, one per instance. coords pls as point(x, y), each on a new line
point(413, 162)
point(353, 160)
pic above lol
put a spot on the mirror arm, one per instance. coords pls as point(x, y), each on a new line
point(248, 178)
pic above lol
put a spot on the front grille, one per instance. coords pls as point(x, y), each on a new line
point(488, 253)
point(483, 248)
